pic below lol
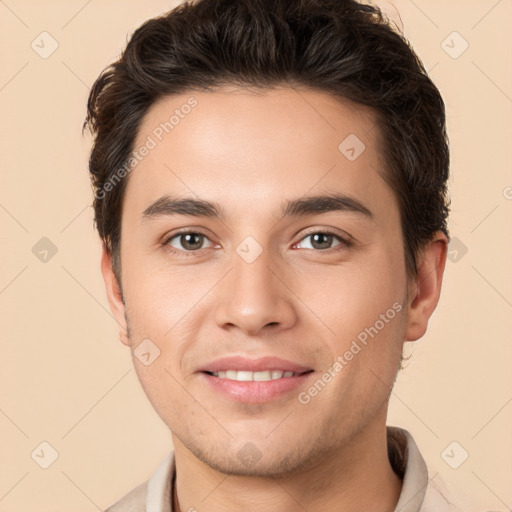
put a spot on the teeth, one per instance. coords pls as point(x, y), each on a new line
point(263, 376)
point(245, 376)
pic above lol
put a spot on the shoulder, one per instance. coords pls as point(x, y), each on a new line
point(134, 501)
point(440, 497)
point(423, 489)
point(154, 493)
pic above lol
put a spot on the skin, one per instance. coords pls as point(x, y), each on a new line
point(249, 151)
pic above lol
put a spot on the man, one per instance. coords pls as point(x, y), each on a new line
point(270, 188)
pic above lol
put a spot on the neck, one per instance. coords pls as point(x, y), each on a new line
point(357, 476)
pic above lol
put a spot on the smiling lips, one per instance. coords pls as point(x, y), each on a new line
point(254, 380)
point(243, 368)
point(247, 376)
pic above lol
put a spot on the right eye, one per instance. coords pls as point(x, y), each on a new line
point(186, 242)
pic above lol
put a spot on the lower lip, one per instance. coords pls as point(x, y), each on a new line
point(256, 392)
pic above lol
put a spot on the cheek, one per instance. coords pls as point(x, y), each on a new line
point(162, 389)
point(348, 300)
point(160, 297)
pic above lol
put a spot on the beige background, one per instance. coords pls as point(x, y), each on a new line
point(67, 380)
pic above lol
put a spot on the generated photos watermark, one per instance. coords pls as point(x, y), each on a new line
point(151, 142)
point(344, 359)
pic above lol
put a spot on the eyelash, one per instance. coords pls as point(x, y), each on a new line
point(344, 243)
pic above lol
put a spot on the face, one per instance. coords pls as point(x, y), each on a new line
point(263, 271)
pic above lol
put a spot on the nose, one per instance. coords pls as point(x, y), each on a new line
point(254, 297)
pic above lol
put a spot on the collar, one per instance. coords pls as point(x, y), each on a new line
point(403, 452)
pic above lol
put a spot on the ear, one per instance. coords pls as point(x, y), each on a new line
point(115, 296)
point(425, 288)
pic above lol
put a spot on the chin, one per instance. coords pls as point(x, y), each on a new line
point(253, 462)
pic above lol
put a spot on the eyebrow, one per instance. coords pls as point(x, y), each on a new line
point(313, 205)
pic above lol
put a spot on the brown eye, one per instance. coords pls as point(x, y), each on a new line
point(187, 241)
point(321, 240)
point(324, 240)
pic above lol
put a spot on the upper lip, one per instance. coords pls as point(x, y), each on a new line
point(245, 363)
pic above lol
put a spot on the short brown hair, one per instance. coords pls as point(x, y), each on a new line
point(341, 47)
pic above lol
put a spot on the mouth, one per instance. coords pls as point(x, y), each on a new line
point(246, 380)
point(260, 376)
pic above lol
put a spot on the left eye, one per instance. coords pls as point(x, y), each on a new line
point(323, 240)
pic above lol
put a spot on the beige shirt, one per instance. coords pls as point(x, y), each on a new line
point(419, 494)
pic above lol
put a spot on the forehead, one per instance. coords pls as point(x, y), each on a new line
point(256, 146)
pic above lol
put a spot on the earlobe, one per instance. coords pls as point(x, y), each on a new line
point(114, 295)
point(426, 288)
